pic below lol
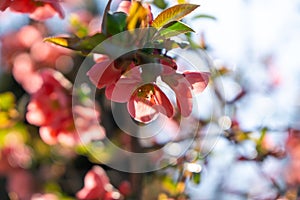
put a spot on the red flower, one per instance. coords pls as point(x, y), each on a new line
point(39, 10)
point(96, 186)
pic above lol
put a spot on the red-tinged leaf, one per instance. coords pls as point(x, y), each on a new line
point(174, 13)
point(85, 45)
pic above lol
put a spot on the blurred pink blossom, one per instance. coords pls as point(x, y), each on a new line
point(38, 10)
point(97, 186)
point(21, 184)
point(293, 148)
point(50, 108)
point(47, 196)
point(24, 52)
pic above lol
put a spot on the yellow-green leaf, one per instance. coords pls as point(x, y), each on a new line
point(174, 28)
point(85, 45)
point(61, 41)
point(174, 13)
point(79, 28)
point(7, 101)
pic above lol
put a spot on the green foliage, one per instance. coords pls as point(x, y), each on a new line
point(7, 101)
point(196, 178)
point(80, 29)
point(173, 29)
point(8, 114)
point(160, 4)
point(85, 45)
point(116, 23)
point(113, 23)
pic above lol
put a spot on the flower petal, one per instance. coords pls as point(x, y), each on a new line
point(182, 88)
point(122, 90)
point(4, 4)
point(44, 12)
point(124, 6)
point(95, 182)
point(141, 111)
point(184, 98)
point(198, 80)
point(104, 73)
point(163, 105)
point(147, 101)
point(48, 135)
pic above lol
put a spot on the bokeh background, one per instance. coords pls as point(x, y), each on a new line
point(253, 44)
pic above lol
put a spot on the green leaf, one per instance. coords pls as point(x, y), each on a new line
point(174, 28)
point(174, 13)
point(205, 16)
point(7, 101)
point(196, 178)
point(85, 45)
point(116, 23)
point(80, 29)
point(104, 20)
point(160, 4)
point(169, 44)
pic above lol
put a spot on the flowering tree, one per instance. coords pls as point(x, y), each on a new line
point(112, 110)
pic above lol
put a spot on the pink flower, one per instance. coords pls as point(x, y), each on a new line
point(134, 84)
point(126, 81)
point(292, 172)
point(144, 101)
point(21, 183)
point(39, 10)
point(184, 85)
point(124, 6)
point(56, 121)
point(14, 155)
point(96, 186)
point(47, 196)
point(104, 72)
point(147, 101)
point(23, 53)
